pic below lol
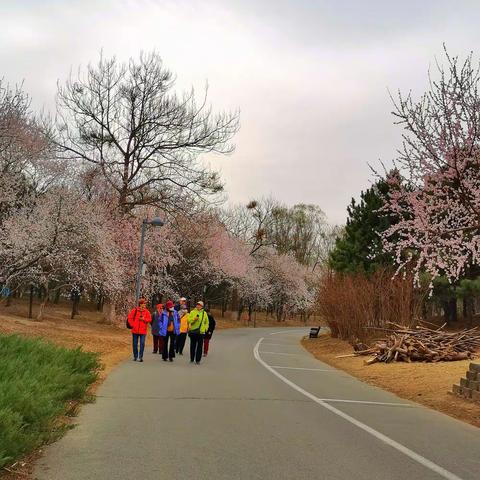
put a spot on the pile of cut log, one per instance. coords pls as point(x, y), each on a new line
point(422, 344)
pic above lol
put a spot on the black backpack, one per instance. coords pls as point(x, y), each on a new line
point(134, 318)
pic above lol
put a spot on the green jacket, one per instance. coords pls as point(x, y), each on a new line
point(198, 319)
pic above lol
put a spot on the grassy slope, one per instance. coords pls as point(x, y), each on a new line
point(37, 380)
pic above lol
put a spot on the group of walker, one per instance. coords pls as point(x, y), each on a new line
point(170, 325)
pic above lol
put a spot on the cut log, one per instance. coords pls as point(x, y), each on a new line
point(423, 344)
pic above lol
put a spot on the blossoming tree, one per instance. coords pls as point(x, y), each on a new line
point(437, 208)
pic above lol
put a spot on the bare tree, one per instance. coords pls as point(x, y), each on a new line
point(26, 163)
point(251, 222)
point(301, 230)
point(125, 119)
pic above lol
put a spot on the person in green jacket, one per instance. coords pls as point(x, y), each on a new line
point(197, 327)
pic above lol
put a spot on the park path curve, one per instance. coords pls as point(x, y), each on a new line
point(259, 407)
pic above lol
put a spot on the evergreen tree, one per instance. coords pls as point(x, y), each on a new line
point(359, 249)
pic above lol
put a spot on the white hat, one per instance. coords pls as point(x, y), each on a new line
point(183, 299)
point(200, 303)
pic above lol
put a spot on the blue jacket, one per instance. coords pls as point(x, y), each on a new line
point(164, 323)
point(156, 321)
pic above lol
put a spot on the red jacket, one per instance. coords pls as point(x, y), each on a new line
point(138, 320)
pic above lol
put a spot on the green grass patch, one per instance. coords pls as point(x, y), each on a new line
point(37, 380)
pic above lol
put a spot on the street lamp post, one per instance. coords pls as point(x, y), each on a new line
point(156, 222)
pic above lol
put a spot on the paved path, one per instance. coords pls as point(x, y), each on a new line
point(259, 407)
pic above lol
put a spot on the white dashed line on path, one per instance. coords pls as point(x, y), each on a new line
point(375, 433)
point(302, 368)
point(286, 354)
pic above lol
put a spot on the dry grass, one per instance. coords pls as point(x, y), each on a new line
point(353, 304)
point(425, 383)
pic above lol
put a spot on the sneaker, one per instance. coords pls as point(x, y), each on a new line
point(140, 360)
point(170, 359)
point(164, 359)
point(134, 359)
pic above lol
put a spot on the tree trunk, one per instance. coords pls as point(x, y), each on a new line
point(424, 310)
point(468, 310)
point(453, 309)
point(279, 313)
point(224, 304)
point(240, 311)
point(56, 300)
point(75, 310)
point(43, 304)
point(30, 303)
point(234, 300)
point(109, 313)
point(100, 302)
point(450, 310)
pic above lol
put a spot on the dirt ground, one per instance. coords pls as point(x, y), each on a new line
point(425, 383)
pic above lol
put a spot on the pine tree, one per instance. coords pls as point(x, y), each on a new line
point(359, 249)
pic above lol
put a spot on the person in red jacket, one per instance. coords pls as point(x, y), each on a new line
point(138, 319)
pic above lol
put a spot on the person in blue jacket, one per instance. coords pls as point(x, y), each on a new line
point(169, 329)
point(156, 322)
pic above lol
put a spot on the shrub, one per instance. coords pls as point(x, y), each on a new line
point(352, 304)
point(37, 379)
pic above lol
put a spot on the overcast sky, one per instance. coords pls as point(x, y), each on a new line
point(311, 77)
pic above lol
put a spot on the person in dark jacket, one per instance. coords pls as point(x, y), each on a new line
point(208, 336)
point(156, 321)
point(169, 329)
point(181, 305)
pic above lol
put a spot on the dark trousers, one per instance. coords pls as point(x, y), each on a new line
point(157, 343)
point(135, 338)
point(196, 347)
point(180, 343)
point(169, 351)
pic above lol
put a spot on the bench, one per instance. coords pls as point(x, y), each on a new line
point(314, 332)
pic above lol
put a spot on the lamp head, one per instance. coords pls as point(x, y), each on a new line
point(157, 222)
